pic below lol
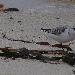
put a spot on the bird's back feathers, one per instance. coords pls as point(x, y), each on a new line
point(55, 31)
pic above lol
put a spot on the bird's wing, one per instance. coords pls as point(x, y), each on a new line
point(55, 31)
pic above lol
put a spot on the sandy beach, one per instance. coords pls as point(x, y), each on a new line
point(25, 25)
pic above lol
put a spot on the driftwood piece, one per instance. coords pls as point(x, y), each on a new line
point(62, 46)
point(36, 54)
point(8, 49)
point(26, 52)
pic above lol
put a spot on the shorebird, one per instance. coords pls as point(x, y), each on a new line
point(61, 34)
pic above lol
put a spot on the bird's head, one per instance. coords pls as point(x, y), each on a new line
point(45, 30)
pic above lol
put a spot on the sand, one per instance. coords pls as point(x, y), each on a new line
point(32, 67)
point(26, 25)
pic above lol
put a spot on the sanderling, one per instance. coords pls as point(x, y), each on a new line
point(60, 34)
